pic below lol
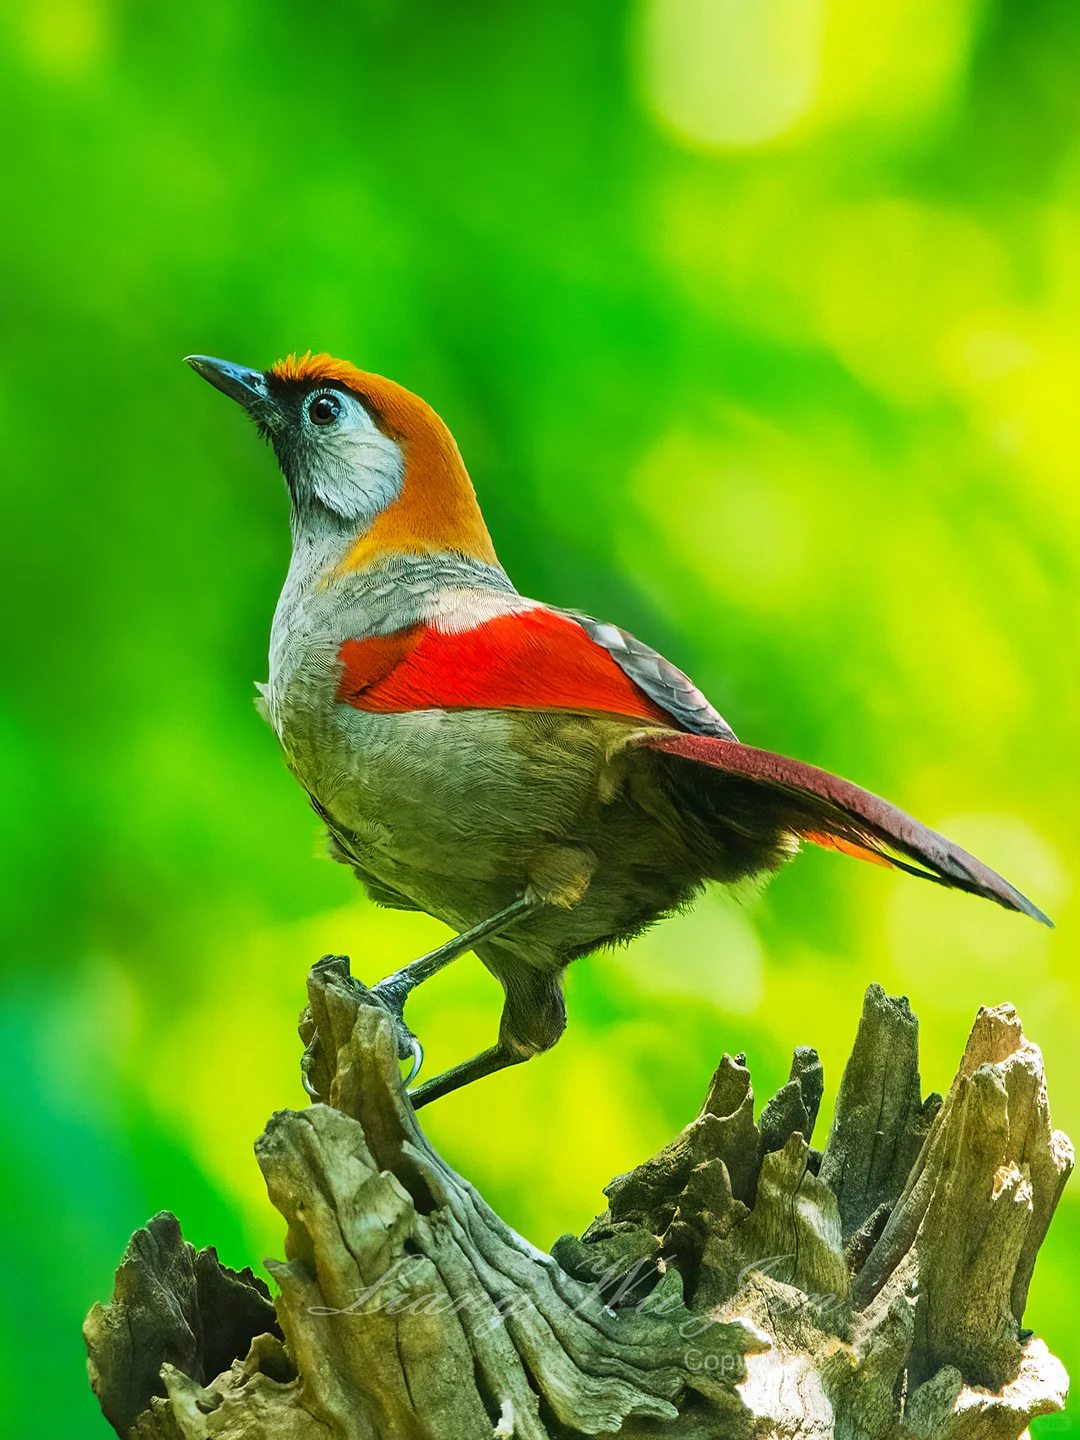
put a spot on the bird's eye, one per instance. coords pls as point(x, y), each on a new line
point(324, 410)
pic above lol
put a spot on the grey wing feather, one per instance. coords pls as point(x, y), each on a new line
point(658, 678)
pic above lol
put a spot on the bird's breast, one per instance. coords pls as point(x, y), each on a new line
point(435, 802)
point(427, 784)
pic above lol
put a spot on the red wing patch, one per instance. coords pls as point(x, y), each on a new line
point(526, 660)
point(367, 662)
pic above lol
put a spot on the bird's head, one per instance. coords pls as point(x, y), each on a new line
point(362, 456)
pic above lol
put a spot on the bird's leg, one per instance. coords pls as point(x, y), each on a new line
point(396, 989)
point(486, 1063)
point(533, 1018)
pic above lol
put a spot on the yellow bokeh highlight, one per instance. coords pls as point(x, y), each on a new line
point(62, 38)
point(734, 74)
point(895, 62)
point(730, 73)
point(734, 516)
point(941, 265)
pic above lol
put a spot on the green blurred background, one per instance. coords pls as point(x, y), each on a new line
point(759, 327)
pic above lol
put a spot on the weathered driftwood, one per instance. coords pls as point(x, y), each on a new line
point(739, 1284)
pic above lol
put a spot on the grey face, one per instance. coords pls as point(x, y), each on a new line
point(333, 454)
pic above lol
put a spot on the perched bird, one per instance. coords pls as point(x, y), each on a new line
point(540, 781)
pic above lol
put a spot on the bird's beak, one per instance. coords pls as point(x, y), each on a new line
point(247, 387)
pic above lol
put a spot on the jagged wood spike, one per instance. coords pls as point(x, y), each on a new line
point(880, 1121)
point(793, 1109)
point(176, 1305)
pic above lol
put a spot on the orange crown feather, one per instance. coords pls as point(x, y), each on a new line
point(437, 508)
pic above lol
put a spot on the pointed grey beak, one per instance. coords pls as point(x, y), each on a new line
point(247, 387)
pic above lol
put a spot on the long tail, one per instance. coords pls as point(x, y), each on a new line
point(828, 811)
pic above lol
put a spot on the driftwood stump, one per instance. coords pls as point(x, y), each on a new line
point(739, 1284)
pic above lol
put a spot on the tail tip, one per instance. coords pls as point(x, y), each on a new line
point(1027, 907)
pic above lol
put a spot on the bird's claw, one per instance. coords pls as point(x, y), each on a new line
point(408, 1046)
point(307, 1060)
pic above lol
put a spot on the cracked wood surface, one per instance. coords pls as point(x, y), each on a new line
point(739, 1283)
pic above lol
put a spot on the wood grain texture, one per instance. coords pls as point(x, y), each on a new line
point(738, 1284)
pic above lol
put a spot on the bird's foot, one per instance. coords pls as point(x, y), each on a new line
point(389, 997)
point(392, 998)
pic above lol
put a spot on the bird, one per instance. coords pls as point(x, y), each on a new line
point(540, 781)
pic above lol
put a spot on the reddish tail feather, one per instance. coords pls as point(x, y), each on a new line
point(828, 811)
